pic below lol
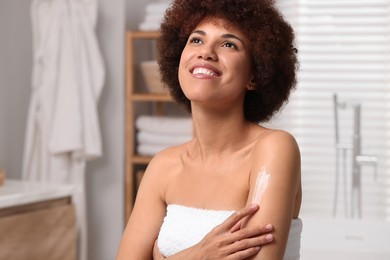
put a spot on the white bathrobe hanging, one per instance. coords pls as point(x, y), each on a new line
point(68, 76)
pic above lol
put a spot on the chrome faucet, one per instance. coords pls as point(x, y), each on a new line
point(343, 148)
point(358, 160)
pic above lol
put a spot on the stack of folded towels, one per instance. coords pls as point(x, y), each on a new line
point(155, 133)
point(154, 15)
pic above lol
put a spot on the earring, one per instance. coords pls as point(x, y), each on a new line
point(251, 87)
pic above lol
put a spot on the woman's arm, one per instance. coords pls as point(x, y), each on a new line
point(149, 210)
point(278, 157)
point(147, 215)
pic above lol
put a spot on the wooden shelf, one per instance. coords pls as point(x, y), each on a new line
point(134, 164)
point(143, 34)
point(151, 97)
point(139, 159)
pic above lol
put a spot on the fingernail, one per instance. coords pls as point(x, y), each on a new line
point(254, 206)
point(268, 237)
point(268, 227)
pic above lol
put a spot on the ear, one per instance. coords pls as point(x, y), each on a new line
point(252, 85)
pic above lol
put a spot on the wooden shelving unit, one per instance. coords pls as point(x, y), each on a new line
point(132, 160)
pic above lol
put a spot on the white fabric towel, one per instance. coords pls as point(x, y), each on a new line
point(164, 124)
point(294, 240)
point(184, 227)
point(150, 149)
point(153, 16)
point(157, 8)
point(162, 139)
point(151, 22)
point(149, 26)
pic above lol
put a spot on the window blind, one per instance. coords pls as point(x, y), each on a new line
point(344, 49)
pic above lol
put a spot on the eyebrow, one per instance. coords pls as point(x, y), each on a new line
point(225, 36)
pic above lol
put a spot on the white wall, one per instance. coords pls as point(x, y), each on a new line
point(104, 176)
point(104, 179)
point(15, 71)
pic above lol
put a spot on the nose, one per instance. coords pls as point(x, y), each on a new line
point(208, 53)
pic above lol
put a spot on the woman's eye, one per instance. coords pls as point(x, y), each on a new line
point(195, 40)
point(230, 45)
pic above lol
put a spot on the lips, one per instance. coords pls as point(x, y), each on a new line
point(205, 70)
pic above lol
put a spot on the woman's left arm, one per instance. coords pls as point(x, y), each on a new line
point(147, 215)
point(275, 184)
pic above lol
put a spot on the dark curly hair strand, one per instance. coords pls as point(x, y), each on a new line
point(272, 42)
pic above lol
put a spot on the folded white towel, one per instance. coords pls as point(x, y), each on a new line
point(164, 124)
point(162, 139)
point(154, 15)
point(150, 149)
point(157, 8)
point(153, 18)
point(144, 26)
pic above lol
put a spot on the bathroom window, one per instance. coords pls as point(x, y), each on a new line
point(344, 50)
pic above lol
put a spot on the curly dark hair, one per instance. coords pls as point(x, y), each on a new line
point(272, 44)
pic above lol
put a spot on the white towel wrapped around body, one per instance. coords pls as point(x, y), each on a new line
point(184, 227)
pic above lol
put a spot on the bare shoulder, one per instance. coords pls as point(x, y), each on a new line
point(276, 149)
point(164, 162)
point(276, 141)
point(160, 171)
point(169, 156)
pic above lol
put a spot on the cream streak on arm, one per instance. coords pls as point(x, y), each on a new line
point(262, 181)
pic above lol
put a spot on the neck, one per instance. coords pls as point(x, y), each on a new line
point(220, 133)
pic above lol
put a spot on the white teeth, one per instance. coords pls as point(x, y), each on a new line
point(203, 71)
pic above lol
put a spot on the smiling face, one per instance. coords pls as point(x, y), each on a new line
point(215, 66)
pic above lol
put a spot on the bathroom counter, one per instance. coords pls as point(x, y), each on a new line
point(37, 221)
point(17, 192)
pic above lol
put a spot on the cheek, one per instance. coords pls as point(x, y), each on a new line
point(180, 73)
point(183, 70)
point(247, 69)
point(240, 63)
point(244, 70)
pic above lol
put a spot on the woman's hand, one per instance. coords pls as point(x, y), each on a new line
point(228, 240)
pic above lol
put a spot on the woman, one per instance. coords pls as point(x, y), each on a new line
point(232, 65)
